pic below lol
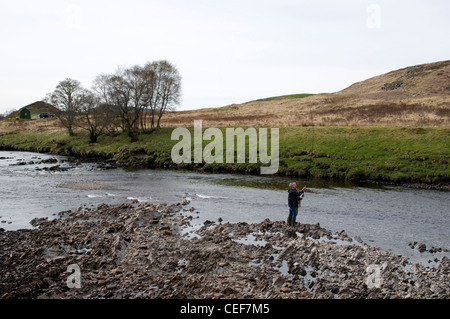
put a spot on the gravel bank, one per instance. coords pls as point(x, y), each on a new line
point(152, 251)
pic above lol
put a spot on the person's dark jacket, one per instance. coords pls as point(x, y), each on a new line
point(294, 197)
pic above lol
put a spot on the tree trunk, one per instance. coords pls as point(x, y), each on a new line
point(93, 136)
point(70, 130)
point(134, 137)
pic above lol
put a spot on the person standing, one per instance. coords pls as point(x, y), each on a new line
point(294, 198)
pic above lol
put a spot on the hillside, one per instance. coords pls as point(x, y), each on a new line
point(412, 96)
point(35, 108)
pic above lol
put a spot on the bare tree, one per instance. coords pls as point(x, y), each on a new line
point(163, 89)
point(125, 90)
point(103, 88)
point(68, 99)
point(169, 87)
point(151, 97)
point(138, 92)
point(136, 80)
point(7, 113)
point(96, 117)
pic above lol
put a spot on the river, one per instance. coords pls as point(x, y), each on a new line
point(390, 217)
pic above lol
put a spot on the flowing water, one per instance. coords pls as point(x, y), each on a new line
point(388, 217)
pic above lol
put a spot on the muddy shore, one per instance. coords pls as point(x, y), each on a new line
point(152, 251)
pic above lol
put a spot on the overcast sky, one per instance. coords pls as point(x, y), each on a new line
point(227, 52)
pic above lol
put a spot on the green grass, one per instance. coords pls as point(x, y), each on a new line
point(392, 154)
point(384, 154)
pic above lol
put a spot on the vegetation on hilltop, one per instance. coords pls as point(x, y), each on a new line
point(284, 97)
point(422, 99)
point(35, 108)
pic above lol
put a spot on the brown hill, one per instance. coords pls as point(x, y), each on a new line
point(10, 125)
point(35, 108)
point(412, 96)
point(416, 95)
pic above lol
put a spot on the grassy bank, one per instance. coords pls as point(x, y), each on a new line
point(382, 154)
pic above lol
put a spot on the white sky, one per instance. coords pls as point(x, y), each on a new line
point(227, 52)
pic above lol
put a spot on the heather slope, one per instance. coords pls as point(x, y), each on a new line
point(412, 96)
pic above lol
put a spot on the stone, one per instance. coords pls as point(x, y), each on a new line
point(245, 255)
point(285, 289)
point(278, 281)
point(392, 86)
point(421, 247)
point(305, 294)
point(116, 271)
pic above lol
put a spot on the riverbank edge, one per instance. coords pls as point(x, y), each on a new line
point(148, 156)
point(128, 251)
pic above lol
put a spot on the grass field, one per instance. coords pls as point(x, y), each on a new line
point(393, 154)
point(382, 154)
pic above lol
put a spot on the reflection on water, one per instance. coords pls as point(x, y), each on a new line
point(270, 182)
point(35, 185)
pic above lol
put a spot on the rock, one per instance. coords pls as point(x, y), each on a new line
point(116, 271)
point(278, 281)
point(392, 86)
point(291, 233)
point(436, 289)
point(48, 161)
point(285, 289)
point(53, 168)
point(38, 221)
point(245, 255)
point(343, 236)
point(421, 247)
point(305, 294)
point(223, 264)
point(139, 251)
point(299, 271)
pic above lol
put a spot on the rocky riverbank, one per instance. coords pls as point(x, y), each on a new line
point(152, 251)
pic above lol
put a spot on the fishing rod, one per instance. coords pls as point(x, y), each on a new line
point(311, 152)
